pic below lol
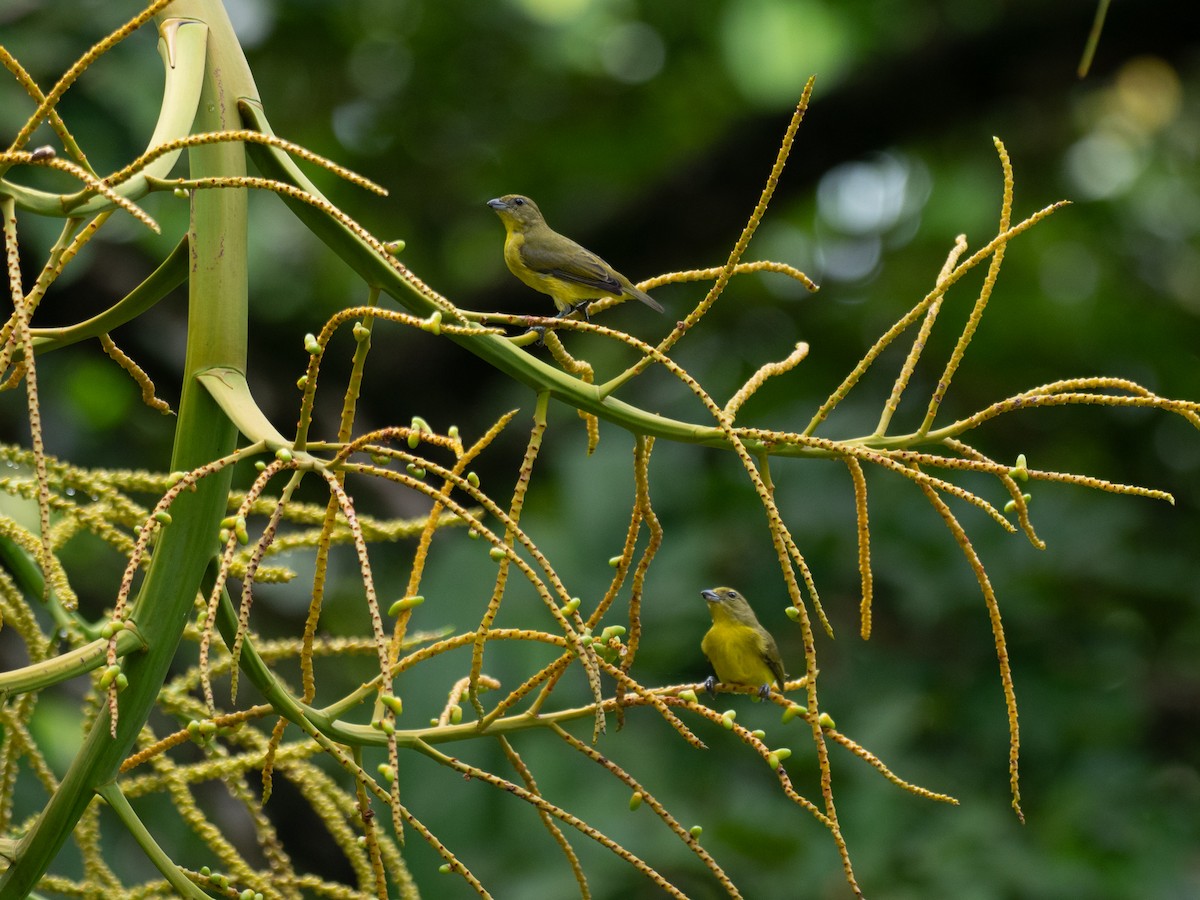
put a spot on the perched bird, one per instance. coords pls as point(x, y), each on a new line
point(739, 648)
point(553, 264)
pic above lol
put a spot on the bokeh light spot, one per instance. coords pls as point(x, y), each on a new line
point(633, 52)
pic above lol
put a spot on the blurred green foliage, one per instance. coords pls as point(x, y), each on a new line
point(644, 130)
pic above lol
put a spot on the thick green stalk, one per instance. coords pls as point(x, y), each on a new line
point(216, 337)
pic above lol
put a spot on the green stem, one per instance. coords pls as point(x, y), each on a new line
point(171, 273)
point(120, 805)
point(66, 665)
point(216, 337)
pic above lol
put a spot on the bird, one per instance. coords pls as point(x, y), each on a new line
point(549, 262)
point(740, 649)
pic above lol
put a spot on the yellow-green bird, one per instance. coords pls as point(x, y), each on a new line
point(740, 649)
point(547, 261)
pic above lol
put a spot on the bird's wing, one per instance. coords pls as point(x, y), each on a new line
point(770, 653)
point(573, 263)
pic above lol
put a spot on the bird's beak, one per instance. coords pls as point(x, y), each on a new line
point(497, 204)
point(710, 596)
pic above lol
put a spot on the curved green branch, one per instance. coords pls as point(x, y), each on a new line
point(66, 665)
point(119, 804)
point(170, 274)
point(183, 49)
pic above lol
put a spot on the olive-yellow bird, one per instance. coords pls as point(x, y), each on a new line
point(553, 264)
point(740, 649)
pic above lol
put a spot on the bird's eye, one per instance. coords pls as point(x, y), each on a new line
point(519, 202)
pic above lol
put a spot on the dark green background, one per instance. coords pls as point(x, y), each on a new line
point(645, 130)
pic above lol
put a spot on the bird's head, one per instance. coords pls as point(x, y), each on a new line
point(726, 603)
point(722, 595)
point(516, 211)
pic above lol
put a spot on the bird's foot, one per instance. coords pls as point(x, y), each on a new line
point(710, 685)
point(580, 307)
point(540, 331)
point(764, 691)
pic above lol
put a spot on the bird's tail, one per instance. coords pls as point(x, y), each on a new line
point(646, 298)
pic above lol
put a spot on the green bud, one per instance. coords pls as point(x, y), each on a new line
point(695, 831)
point(825, 720)
point(688, 694)
point(727, 720)
point(247, 894)
point(107, 630)
point(175, 477)
point(180, 193)
point(223, 535)
point(452, 432)
point(259, 465)
point(1012, 504)
point(635, 800)
point(473, 479)
point(455, 714)
point(162, 517)
point(759, 733)
point(311, 344)
point(380, 459)
point(611, 632)
point(302, 382)
point(283, 454)
point(778, 755)
point(392, 702)
point(415, 471)
point(414, 440)
point(605, 652)
point(497, 553)
point(239, 528)
point(473, 534)
point(110, 674)
point(394, 247)
point(361, 332)
point(405, 603)
point(570, 606)
point(614, 561)
point(1021, 469)
point(388, 773)
point(121, 681)
point(792, 711)
point(205, 871)
point(434, 323)
point(227, 522)
point(444, 868)
point(792, 613)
